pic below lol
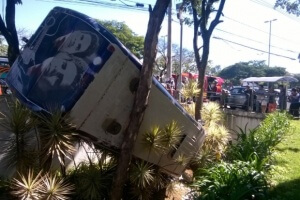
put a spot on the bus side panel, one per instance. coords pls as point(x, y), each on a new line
point(108, 101)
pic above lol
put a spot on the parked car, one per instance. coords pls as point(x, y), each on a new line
point(237, 98)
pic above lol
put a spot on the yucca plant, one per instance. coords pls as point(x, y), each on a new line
point(171, 136)
point(141, 174)
point(190, 109)
point(27, 186)
point(54, 188)
point(211, 113)
point(92, 180)
point(190, 90)
point(57, 138)
point(33, 186)
point(147, 181)
point(152, 140)
point(217, 138)
point(18, 137)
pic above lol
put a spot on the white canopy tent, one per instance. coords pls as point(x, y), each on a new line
point(271, 79)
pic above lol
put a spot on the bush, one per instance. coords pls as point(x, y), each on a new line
point(232, 181)
point(243, 175)
point(260, 141)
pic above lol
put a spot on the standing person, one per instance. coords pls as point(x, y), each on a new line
point(282, 97)
point(294, 99)
point(261, 102)
point(272, 102)
point(249, 95)
point(214, 88)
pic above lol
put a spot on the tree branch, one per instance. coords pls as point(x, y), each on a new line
point(217, 20)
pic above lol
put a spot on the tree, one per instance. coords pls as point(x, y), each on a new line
point(131, 40)
point(242, 70)
point(201, 11)
point(292, 7)
point(141, 98)
point(3, 48)
point(8, 30)
point(161, 60)
point(188, 60)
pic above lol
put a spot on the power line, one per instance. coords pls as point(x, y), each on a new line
point(252, 27)
point(121, 5)
point(271, 6)
point(250, 39)
point(124, 6)
point(219, 38)
point(254, 40)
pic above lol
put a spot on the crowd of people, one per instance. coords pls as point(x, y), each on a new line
point(269, 100)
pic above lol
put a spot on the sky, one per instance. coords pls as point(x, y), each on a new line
point(243, 35)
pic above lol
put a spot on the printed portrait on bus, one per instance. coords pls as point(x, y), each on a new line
point(58, 77)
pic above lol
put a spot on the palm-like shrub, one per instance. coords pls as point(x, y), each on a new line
point(141, 174)
point(146, 181)
point(190, 90)
point(152, 140)
point(55, 188)
point(57, 138)
point(190, 109)
point(211, 113)
point(18, 137)
point(162, 140)
point(27, 186)
point(93, 180)
point(35, 186)
point(217, 136)
point(171, 136)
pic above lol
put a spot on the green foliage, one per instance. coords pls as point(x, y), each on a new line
point(132, 41)
point(162, 140)
point(216, 139)
point(57, 137)
point(285, 175)
point(146, 181)
point(260, 141)
point(17, 151)
point(92, 181)
point(37, 186)
point(141, 174)
point(3, 50)
point(242, 70)
point(152, 140)
point(230, 181)
point(292, 7)
point(190, 90)
point(212, 114)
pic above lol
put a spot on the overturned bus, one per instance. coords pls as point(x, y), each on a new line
point(75, 65)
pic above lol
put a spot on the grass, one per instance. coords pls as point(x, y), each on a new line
point(285, 179)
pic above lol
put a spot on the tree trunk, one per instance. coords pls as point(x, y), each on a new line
point(141, 98)
point(9, 31)
point(206, 9)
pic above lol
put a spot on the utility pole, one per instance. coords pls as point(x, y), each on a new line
point(179, 82)
point(270, 21)
point(169, 50)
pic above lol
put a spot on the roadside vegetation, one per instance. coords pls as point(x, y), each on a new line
point(260, 164)
point(285, 175)
point(38, 148)
point(243, 170)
